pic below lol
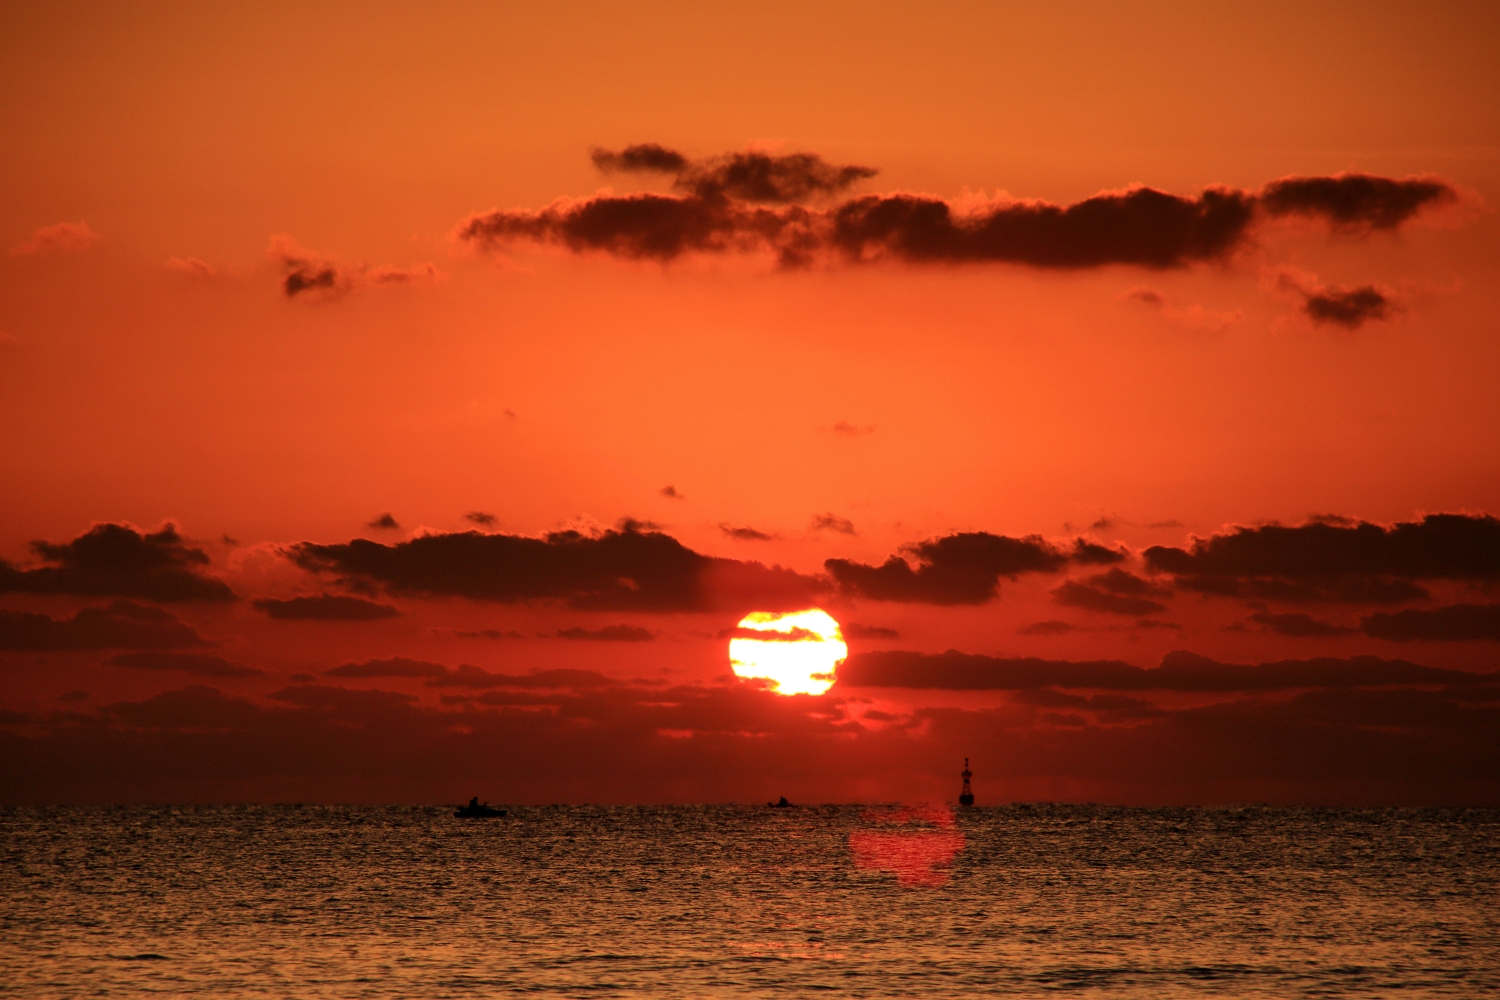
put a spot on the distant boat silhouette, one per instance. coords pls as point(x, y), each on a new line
point(783, 804)
point(477, 810)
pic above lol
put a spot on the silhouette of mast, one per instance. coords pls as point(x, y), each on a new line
point(966, 797)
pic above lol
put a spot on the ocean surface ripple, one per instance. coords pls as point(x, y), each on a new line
point(735, 901)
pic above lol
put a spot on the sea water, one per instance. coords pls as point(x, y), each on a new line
point(738, 901)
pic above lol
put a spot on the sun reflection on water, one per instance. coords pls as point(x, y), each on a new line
point(918, 851)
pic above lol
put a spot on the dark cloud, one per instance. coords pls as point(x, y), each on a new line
point(617, 570)
point(385, 522)
point(1348, 307)
point(1116, 592)
point(846, 429)
point(310, 277)
point(1073, 594)
point(1089, 553)
point(394, 666)
point(670, 492)
point(1347, 590)
point(1355, 201)
point(325, 608)
point(631, 742)
point(752, 201)
point(201, 664)
point(315, 733)
point(854, 630)
point(1141, 226)
point(116, 560)
point(963, 568)
point(1111, 708)
point(1353, 561)
point(832, 522)
point(749, 176)
point(559, 679)
point(481, 518)
point(764, 177)
point(1457, 622)
point(1298, 625)
point(1178, 671)
point(1053, 627)
point(484, 633)
point(192, 709)
point(745, 534)
point(306, 272)
point(641, 157)
point(771, 635)
point(1118, 581)
point(1047, 628)
point(345, 703)
point(638, 226)
point(609, 633)
point(121, 625)
point(467, 675)
point(437, 675)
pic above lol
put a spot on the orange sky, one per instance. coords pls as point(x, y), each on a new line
point(173, 171)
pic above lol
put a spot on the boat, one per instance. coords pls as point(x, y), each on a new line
point(783, 804)
point(477, 810)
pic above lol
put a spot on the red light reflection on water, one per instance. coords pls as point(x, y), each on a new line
point(919, 854)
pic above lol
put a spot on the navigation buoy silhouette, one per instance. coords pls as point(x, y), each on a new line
point(966, 797)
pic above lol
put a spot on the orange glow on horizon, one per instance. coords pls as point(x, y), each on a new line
point(376, 413)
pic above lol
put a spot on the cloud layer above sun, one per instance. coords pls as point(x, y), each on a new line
point(210, 658)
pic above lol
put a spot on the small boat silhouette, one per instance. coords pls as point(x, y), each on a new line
point(477, 810)
point(783, 804)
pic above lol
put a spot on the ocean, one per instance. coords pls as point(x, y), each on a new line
point(739, 901)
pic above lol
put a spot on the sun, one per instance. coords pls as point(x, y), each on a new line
point(797, 652)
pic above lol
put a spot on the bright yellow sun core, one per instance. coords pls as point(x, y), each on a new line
point(797, 651)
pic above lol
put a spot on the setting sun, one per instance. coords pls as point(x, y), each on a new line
point(798, 651)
